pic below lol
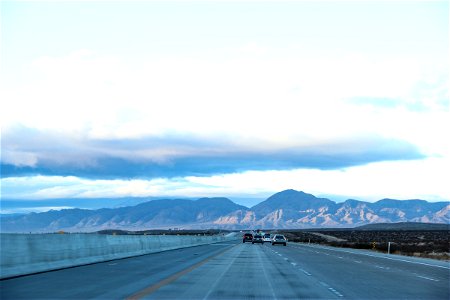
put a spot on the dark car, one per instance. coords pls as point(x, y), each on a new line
point(247, 237)
point(257, 239)
point(279, 239)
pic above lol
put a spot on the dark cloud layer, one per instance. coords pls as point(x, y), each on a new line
point(57, 154)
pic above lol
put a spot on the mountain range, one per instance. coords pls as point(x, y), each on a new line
point(286, 209)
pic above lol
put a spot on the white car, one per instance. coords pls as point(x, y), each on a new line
point(279, 239)
point(266, 237)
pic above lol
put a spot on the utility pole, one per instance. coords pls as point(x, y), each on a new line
point(389, 247)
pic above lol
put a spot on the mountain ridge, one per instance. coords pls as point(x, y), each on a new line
point(285, 209)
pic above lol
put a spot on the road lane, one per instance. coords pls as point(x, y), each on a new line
point(109, 280)
point(359, 274)
point(245, 272)
point(242, 271)
point(298, 271)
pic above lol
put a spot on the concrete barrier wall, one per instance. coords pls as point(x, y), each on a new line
point(30, 253)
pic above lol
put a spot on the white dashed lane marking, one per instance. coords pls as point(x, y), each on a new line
point(335, 292)
point(331, 289)
point(381, 267)
point(306, 272)
point(427, 278)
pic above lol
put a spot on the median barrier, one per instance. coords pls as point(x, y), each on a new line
point(23, 254)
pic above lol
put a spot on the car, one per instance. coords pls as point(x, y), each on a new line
point(266, 237)
point(279, 239)
point(257, 238)
point(247, 237)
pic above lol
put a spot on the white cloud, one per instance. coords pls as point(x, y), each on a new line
point(263, 97)
point(257, 92)
point(426, 179)
point(19, 158)
point(402, 180)
point(27, 210)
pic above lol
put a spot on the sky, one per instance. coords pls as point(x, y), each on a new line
point(114, 99)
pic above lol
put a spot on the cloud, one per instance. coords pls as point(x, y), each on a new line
point(394, 179)
point(175, 155)
point(283, 94)
point(26, 210)
point(278, 96)
point(281, 89)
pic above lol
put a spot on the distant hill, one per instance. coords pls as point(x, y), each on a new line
point(161, 214)
point(290, 200)
point(287, 209)
point(405, 226)
point(295, 209)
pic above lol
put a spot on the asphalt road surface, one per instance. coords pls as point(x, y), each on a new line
point(243, 271)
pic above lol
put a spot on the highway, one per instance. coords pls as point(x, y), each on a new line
point(233, 270)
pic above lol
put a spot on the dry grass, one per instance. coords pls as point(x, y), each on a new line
point(431, 244)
